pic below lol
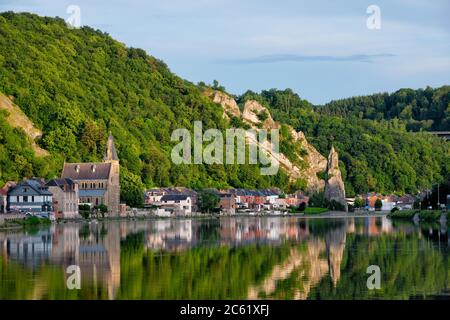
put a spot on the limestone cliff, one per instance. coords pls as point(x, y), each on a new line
point(258, 117)
point(334, 187)
point(252, 113)
point(18, 119)
point(228, 103)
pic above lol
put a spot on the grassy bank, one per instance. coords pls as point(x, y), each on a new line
point(311, 211)
point(424, 215)
point(33, 221)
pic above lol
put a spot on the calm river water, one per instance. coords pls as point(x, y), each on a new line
point(227, 258)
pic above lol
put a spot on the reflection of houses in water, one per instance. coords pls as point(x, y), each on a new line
point(99, 257)
point(30, 249)
point(242, 230)
point(170, 235)
point(95, 248)
point(96, 251)
point(373, 226)
point(376, 227)
point(66, 245)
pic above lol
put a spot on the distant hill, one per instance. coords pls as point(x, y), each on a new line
point(76, 85)
point(423, 109)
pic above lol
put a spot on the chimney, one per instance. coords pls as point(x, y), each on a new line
point(77, 168)
point(93, 167)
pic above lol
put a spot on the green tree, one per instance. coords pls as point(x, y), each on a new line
point(208, 201)
point(131, 189)
point(378, 204)
point(359, 202)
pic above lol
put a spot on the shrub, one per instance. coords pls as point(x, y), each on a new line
point(302, 207)
point(378, 204)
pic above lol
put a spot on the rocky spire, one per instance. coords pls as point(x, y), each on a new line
point(111, 153)
point(334, 186)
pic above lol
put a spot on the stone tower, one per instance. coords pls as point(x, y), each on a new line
point(334, 186)
point(113, 196)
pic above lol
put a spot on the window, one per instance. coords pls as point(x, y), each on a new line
point(25, 198)
point(32, 198)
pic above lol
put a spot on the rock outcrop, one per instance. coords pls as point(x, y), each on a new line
point(315, 162)
point(252, 114)
point(334, 186)
point(17, 119)
point(228, 103)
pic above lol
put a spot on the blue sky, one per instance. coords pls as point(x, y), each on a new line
point(321, 49)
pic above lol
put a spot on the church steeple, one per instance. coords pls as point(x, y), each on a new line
point(111, 153)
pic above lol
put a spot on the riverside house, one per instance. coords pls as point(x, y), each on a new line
point(153, 196)
point(65, 197)
point(227, 203)
point(30, 195)
point(179, 204)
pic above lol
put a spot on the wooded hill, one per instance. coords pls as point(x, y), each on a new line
point(76, 85)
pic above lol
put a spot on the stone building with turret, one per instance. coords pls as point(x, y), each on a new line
point(98, 181)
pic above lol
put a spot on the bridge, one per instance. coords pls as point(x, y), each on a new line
point(442, 134)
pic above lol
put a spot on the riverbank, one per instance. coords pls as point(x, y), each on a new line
point(421, 215)
point(23, 222)
point(326, 215)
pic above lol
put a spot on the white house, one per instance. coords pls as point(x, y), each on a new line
point(387, 205)
point(180, 203)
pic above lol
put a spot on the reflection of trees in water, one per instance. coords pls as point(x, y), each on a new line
point(317, 259)
point(199, 273)
point(306, 266)
point(409, 266)
point(334, 267)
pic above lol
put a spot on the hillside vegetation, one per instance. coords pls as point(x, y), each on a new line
point(76, 85)
point(375, 154)
point(422, 109)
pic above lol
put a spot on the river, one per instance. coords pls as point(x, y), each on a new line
point(227, 258)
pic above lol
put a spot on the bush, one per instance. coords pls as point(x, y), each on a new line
point(336, 206)
point(84, 207)
point(302, 207)
point(424, 215)
point(405, 214)
point(378, 204)
point(395, 209)
point(433, 215)
point(359, 202)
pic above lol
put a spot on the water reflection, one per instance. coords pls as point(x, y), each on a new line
point(238, 258)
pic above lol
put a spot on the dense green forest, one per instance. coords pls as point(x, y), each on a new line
point(427, 109)
point(76, 85)
point(375, 154)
